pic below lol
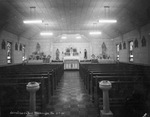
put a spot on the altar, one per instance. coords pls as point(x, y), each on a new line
point(71, 59)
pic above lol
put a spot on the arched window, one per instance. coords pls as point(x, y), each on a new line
point(16, 46)
point(130, 51)
point(24, 50)
point(120, 46)
point(136, 43)
point(117, 48)
point(20, 48)
point(9, 52)
point(143, 41)
point(124, 45)
point(3, 45)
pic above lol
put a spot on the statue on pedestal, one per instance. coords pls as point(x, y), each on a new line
point(104, 51)
point(85, 54)
point(57, 54)
point(71, 51)
point(38, 48)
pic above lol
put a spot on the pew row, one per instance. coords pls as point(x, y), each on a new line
point(127, 81)
point(16, 82)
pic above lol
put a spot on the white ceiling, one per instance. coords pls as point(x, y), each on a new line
point(73, 16)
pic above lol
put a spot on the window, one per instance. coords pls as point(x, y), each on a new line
point(20, 48)
point(124, 45)
point(3, 45)
point(23, 56)
point(143, 41)
point(117, 47)
point(131, 51)
point(16, 46)
point(136, 43)
point(9, 52)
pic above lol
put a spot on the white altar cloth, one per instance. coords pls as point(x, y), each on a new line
point(71, 58)
point(71, 62)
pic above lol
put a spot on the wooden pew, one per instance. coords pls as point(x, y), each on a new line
point(97, 79)
point(125, 78)
point(119, 75)
point(126, 96)
point(15, 88)
point(48, 80)
point(108, 70)
point(55, 69)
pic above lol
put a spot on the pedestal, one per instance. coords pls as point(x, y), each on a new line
point(32, 87)
point(36, 114)
point(105, 86)
point(104, 114)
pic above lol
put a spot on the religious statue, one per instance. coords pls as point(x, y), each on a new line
point(57, 54)
point(71, 51)
point(85, 54)
point(104, 49)
point(38, 48)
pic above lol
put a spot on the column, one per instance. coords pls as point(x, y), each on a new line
point(105, 86)
point(32, 87)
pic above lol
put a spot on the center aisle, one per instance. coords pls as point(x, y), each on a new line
point(71, 99)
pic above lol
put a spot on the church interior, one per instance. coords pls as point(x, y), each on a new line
point(74, 58)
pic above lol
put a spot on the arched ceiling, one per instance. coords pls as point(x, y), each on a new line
point(73, 16)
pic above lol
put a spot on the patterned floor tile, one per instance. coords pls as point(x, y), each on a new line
point(71, 98)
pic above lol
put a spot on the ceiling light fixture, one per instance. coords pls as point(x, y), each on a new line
point(78, 37)
point(107, 19)
point(46, 33)
point(95, 33)
point(33, 19)
point(63, 37)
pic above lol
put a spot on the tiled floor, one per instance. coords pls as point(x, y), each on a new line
point(71, 99)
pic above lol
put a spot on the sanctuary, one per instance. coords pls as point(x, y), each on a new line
point(71, 58)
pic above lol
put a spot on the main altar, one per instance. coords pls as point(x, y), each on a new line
point(71, 59)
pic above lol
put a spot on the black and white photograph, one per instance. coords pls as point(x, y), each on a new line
point(74, 58)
